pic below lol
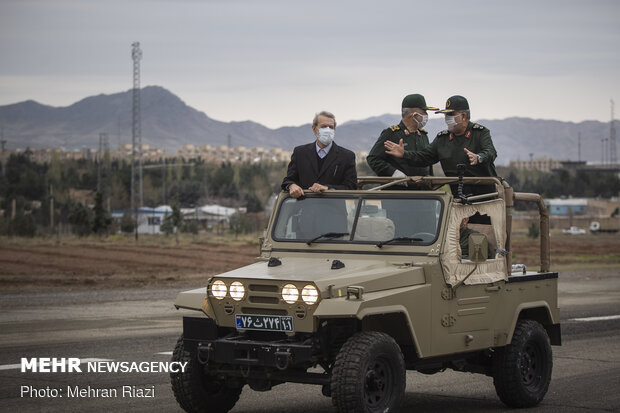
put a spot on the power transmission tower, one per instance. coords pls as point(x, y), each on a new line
point(612, 137)
point(136, 138)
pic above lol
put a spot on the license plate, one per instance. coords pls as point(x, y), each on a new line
point(264, 322)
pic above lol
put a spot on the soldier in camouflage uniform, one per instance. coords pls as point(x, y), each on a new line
point(464, 142)
point(414, 138)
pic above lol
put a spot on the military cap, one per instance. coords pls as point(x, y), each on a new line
point(416, 101)
point(455, 103)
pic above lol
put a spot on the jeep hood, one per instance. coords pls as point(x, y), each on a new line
point(373, 275)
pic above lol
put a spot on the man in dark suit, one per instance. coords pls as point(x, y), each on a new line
point(322, 164)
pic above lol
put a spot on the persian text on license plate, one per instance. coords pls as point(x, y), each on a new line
point(264, 322)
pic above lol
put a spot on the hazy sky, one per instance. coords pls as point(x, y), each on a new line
point(278, 62)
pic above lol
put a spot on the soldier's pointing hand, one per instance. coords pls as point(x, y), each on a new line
point(473, 158)
point(397, 150)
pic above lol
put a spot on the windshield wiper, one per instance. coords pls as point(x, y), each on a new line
point(381, 244)
point(328, 235)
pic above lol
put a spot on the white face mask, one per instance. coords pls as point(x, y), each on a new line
point(326, 136)
point(451, 122)
point(421, 123)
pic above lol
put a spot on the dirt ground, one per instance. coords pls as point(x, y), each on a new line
point(92, 264)
point(570, 251)
point(74, 266)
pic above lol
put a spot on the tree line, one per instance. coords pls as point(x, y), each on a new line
point(77, 195)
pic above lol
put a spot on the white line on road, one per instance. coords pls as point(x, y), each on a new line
point(19, 366)
point(601, 318)
point(165, 353)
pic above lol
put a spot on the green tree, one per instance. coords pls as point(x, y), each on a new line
point(253, 203)
point(237, 223)
point(25, 178)
point(176, 219)
point(102, 220)
point(80, 219)
point(127, 222)
point(167, 226)
point(22, 225)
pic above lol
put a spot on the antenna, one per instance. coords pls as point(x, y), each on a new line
point(136, 138)
point(612, 137)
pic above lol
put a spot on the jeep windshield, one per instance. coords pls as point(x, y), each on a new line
point(358, 219)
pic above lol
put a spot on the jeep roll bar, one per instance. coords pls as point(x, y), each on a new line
point(504, 191)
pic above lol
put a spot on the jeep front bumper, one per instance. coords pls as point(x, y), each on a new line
point(241, 352)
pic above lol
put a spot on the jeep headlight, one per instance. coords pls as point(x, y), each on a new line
point(218, 289)
point(309, 294)
point(237, 291)
point(290, 293)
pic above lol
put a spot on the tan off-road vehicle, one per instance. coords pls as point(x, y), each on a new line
point(353, 288)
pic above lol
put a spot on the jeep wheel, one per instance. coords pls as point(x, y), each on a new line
point(522, 369)
point(368, 374)
point(195, 391)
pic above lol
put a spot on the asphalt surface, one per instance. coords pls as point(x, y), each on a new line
point(141, 325)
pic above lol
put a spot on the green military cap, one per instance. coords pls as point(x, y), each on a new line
point(416, 101)
point(455, 103)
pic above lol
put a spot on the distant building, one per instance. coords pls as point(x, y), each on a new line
point(570, 206)
point(211, 216)
point(208, 216)
point(149, 219)
point(542, 164)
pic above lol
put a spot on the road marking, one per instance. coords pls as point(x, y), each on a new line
point(601, 318)
point(19, 366)
point(165, 353)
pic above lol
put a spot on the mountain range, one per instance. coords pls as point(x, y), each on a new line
point(166, 121)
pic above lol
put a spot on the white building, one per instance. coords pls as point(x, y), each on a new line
point(149, 219)
point(209, 216)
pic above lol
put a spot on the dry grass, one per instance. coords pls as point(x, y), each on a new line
point(570, 251)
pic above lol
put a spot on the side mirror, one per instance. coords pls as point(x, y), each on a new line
point(478, 247)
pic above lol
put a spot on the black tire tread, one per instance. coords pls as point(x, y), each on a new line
point(506, 376)
point(345, 387)
point(188, 390)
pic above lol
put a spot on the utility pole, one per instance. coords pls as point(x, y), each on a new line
point(120, 147)
point(164, 174)
point(612, 137)
point(52, 208)
point(605, 150)
point(104, 147)
point(99, 158)
point(579, 147)
point(136, 139)
point(3, 142)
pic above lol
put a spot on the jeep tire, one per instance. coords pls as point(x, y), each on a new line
point(522, 369)
point(197, 392)
point(368, 374)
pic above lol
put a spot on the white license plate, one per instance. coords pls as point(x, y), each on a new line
point(264, 322)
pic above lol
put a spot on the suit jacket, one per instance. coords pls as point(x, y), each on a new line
point(338, 170)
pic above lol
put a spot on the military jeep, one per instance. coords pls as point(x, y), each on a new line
point(353, 288)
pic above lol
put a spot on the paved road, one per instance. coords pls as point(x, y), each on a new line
point(138, 325)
